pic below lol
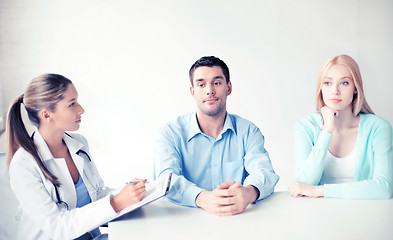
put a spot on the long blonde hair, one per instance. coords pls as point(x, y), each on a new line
point(43, 92)
point(359, 103)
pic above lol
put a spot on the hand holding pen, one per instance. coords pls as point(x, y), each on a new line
point(137, 180)
point(131, 193)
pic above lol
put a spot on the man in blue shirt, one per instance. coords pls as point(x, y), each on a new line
point(218, 160)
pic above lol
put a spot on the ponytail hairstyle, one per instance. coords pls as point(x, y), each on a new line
point(359, 103)
point(43, 92)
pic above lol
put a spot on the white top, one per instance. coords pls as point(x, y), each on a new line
point(339, 170)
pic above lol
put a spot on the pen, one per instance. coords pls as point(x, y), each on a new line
point(134, 182)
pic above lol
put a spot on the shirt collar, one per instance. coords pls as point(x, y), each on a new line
point(228, 124)
point(195, 130)
point(73, 145)
point(194, 127)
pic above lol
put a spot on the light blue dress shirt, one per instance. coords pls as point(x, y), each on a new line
point(199, 162)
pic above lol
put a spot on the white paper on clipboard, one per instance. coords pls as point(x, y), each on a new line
point(154, 191)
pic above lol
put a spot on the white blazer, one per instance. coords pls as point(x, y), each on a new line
point(41, 218)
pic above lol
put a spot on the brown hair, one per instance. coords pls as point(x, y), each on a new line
point(209, 61)
point(43, 92)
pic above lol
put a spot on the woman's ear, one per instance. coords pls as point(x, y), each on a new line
point(45, 115)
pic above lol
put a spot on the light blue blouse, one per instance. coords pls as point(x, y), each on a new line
point(82, 199)
point(373, 177)
point(82, 195)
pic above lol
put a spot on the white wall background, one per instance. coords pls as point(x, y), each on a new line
point(129, 61)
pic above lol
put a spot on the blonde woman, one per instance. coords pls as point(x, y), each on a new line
point(60, 191)
point(343, 151)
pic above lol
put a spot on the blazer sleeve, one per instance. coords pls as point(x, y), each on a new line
point(380, 186)
point(28, 184)
point(311, 146)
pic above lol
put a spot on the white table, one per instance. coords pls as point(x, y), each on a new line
point(277, 217)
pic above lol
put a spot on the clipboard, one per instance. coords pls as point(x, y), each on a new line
point(154, 190)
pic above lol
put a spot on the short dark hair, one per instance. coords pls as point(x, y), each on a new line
point(209, 61)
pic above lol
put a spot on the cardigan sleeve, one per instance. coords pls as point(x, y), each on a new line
point(310, 151)
point(380, 185)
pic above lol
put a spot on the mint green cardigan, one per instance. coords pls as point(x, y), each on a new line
point(373, 177)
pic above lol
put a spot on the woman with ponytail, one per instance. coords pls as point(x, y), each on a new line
point(59, 189)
